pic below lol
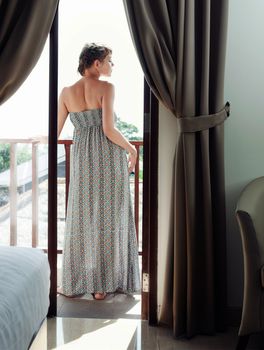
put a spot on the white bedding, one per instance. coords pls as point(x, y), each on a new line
point(24, 295)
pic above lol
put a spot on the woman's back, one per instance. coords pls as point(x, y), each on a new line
point(85, 94)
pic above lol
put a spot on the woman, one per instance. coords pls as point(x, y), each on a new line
point(100, 248)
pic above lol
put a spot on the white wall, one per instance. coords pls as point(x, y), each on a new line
point(167, 144)
point(244, 130)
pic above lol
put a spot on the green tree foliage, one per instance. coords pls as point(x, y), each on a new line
point(23, 155)
point(4, 157)
point(130, 131)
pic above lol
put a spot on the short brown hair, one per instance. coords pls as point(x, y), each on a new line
point(90, 53)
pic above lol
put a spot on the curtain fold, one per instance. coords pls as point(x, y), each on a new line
point(181, 47)
point(24, 27)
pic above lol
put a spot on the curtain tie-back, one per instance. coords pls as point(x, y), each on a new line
point(203, 122)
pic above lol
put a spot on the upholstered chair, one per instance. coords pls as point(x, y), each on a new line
point(250, 217)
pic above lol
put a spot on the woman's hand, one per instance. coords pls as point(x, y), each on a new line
point(132, 159)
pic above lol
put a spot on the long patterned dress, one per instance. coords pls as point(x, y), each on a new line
point(100, 248)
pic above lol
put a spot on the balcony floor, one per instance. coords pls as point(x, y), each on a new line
point(114, 306)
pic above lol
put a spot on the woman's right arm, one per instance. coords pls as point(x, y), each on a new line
point(62, 111)
point(109, 128)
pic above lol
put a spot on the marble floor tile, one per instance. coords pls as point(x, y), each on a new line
point(94, 334)
point(132, 334)
point(115, 305)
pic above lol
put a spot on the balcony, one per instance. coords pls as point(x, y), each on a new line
point(23, 194)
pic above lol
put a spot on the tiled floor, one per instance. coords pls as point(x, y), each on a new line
point(122, 334)
point(115, 305)
point(114, 324)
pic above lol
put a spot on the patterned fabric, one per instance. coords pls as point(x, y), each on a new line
point(100, 248)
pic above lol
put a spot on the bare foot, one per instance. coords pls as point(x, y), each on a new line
point(99, 296)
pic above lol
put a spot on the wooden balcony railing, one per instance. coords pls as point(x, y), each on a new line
point(13, 187)
point(12, 181)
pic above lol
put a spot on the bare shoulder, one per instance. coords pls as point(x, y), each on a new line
point(106, 84)
point(64, 92)
point(108, 88)
point(68, 89)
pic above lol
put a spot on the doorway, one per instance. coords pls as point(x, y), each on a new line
point(150, 107)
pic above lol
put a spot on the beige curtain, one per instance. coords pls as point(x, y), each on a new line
point(24, 27)
point(181, 45)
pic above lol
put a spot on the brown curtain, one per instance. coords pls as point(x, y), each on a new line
point(24, 27)
point(181, 46)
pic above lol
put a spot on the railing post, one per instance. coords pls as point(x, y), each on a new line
point(136, 191)
point(35, 194)
point(13, 194)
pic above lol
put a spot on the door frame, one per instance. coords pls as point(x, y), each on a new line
point(150, 204)
point(150, 187)
point(52, 164)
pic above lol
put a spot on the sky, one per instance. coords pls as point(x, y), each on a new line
point(25, 114)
